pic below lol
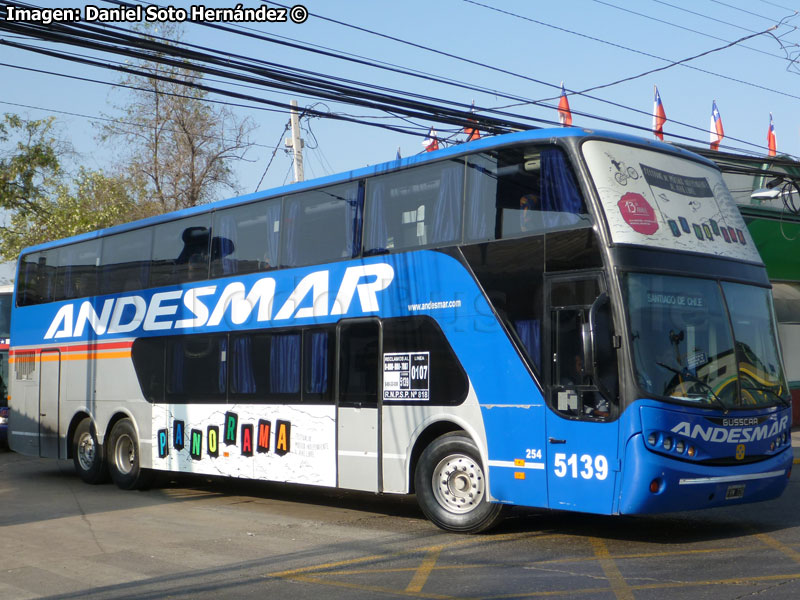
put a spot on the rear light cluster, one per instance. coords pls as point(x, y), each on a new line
point(779, 441)
point(669, 443)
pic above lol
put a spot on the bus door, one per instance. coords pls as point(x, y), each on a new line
point(581, 422)
point(358, 404)
point(49, 390)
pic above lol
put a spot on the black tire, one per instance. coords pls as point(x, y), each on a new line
point(451, 486)
point(123, 457)
point(87, 455)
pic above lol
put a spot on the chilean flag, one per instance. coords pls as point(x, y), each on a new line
point(564, 114)
point(472, 132)
point(431, 142)
point(659, 116)
point(772, 143)
point(715, 128)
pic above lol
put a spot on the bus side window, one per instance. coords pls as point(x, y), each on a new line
point(358, 369)
point(180, 251)
point(322, 225)
point(125, 261)
point(414, 208)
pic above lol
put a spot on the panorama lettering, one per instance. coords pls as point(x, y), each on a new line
point(310, 298)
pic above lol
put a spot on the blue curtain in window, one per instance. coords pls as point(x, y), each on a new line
point(244, 381)
point(376, 233)
point(353, 217)
point(318, 363)
point(559, 191)
point(273, 237)
point(529, 332)
point(481, 199)
point(447, 212)
point(284, 364)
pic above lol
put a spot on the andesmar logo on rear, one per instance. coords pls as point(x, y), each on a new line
point(205, 306)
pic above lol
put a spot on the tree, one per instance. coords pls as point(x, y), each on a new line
point(93, 200)
point(29, 164)
point(40, 200)
point(178, 147)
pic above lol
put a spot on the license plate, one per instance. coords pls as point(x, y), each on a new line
point(734, 491)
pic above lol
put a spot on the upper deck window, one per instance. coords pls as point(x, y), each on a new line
point(414, 208)
point(180, 251)
point(521, 191)
point(246, 238)
point(322, 225)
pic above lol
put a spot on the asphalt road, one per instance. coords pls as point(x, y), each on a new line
point(200, 538)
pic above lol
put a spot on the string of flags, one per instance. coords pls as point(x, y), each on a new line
point(715, 128)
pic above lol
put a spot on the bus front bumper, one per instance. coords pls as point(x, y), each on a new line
point(653, 483)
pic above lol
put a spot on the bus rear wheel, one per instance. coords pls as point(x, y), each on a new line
point(451, 486)
point(123, 457)
point(87, 454)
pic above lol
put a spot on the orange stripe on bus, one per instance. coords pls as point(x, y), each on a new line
point(83, 356)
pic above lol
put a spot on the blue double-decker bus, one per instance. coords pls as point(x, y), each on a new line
point(565, 319)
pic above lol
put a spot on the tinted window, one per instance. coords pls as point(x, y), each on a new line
point(246, 238)
point(197, 368)
point(77, 271)
point(37, 275)
point(511, 272)
point(413, 208)
point(520, 191)
point(322, 225)
point(180, 251)
point(125, 261)
point(358, 369)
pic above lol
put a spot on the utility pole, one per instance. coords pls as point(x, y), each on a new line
point(296, 143)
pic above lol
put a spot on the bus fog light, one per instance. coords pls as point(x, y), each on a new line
point(652, 439)
point(680, 446)
point(691, 451)
point(655, 486)
point(667, 443)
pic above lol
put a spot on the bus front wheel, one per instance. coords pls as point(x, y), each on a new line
point(87, 454)
point(451, 486)
point(123, 457)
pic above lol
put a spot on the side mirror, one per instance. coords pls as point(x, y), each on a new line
point(603, 353)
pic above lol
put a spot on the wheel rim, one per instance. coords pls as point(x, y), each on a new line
point(458, 483)
point(125, 454)
point(86, 451)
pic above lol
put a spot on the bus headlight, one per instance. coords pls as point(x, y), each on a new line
point(680, 446)
point(667, 443)
point(652, 439)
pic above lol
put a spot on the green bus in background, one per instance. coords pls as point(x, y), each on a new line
point(767, 192)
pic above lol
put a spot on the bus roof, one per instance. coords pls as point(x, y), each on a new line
point(485, 143)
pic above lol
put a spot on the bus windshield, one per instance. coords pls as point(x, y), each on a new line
point(696, 340)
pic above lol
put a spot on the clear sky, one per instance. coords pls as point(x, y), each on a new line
point(585, 43)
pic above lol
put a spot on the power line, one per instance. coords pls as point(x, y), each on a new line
point(689, 29)
point(629, 49)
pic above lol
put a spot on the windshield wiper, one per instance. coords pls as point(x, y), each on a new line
point(780, 398)
point(685, 373)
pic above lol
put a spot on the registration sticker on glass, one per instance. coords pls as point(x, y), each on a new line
point(734, 492)
point(406, 376)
